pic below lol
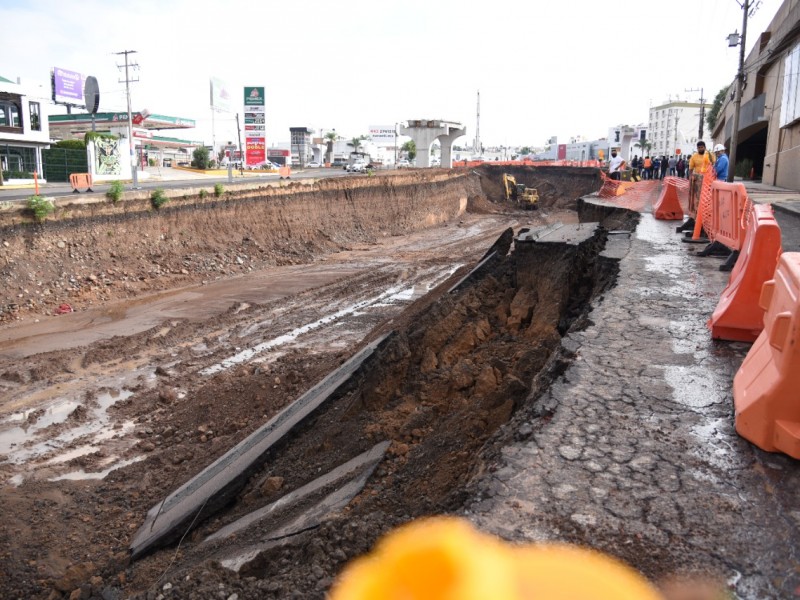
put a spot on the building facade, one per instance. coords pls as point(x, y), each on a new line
point(768, 144)
point(24, 130)
point(675, 128)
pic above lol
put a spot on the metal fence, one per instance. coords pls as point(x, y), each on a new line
point(60, 163)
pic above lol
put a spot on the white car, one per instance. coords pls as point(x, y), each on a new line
point(357, 167)
point(313, 165)
point(403, 164)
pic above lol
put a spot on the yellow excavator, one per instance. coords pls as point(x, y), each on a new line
point(518, 192)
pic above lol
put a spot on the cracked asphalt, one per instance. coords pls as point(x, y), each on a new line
point(633, 451)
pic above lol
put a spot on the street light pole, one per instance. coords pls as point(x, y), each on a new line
point(128, 80)
point(737, 103)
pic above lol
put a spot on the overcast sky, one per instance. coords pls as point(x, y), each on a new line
point(564, 68)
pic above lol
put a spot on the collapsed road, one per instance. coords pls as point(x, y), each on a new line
point(431, 313)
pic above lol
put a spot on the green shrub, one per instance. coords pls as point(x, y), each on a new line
point(93, 135)
point(158, 198)
point(218, 189)
point(41, 207)
point(73, 144)
point(151, 162)
point(17, 175)
point(203, 194)
point(114, 193)
point(743, 168)
point(200, 158)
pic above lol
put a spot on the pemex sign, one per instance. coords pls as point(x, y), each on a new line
point(254, 127)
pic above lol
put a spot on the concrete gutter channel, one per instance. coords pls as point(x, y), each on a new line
point(639, 457)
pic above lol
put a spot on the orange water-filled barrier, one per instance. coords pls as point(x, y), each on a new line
point(668, 206)
point(738, 316)
point(765, 389)
point(728, 221)
point(285, 172)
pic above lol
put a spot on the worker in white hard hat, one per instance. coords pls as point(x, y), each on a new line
point(721, 164)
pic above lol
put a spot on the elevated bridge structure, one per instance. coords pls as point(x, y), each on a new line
point(426, 131)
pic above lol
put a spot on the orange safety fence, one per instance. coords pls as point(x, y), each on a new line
point(704, 205)
point(633, 195)
point(528, 163)
point(765, 387)
point(738, 316)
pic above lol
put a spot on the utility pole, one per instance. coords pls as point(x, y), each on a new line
point(395, 145)
point(702, 111)
point(478, 127)
point(128, 81)
point(239, 138)
point(737, 103)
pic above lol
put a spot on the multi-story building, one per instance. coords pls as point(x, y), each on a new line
point(676, 126)
point(768, 144)
point(24, 130)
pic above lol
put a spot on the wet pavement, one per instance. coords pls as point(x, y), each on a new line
point(633, 449)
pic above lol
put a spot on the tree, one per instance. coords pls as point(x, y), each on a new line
point(525, 150)
point(713, 113)
point(356, 142)
point(200, 159)
point(411, 148)
point(644, 146)
point(330, 138)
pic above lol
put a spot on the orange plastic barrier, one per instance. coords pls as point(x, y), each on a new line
point(738, 316)
point(703, 209)
point(285, 172)
point(77, 180)
point(728, 220)
point(765, 389)
point(668, 206)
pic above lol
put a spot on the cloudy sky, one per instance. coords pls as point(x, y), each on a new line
point(564, 68)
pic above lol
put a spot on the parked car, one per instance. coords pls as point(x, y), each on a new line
point(403, 164)
point(357, 167)
point(313, 165)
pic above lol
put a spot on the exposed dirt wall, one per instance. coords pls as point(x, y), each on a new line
point(93, 252)
point(558, 187)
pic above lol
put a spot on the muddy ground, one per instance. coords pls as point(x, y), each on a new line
point(108, 409)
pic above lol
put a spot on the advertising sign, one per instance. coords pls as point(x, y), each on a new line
point(254, 127)
point(382, 135)
point(221, 98)
point(67, 86)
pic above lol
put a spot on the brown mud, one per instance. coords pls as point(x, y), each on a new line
point(456, 369)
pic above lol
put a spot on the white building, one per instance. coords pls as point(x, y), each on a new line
point(676, 125)
point(24, 129)
point(625, 137)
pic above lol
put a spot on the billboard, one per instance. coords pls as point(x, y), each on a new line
point(383, 135)
point(67, 87)
point(254, 127)
point(220, 95)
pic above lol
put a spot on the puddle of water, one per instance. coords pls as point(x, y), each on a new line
point(17, 443)
point(692, 386)
point(81, 475)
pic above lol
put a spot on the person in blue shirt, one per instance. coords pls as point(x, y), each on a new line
point(721, 164)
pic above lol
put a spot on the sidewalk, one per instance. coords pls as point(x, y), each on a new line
point(633, 449)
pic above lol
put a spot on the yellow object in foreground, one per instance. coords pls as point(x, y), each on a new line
point(445, 558)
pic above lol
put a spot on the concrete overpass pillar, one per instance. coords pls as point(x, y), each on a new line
point(424, 132)
point(447, 145)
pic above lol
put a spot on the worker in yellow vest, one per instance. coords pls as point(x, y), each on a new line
point(701, 160)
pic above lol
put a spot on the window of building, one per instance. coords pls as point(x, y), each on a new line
point(790, 102)
point(9, 114)
point(36, 123)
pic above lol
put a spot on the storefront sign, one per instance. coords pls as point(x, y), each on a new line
point(254, 127)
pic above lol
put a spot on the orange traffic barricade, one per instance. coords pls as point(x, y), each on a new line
point(727, 224)
point(668, 207)
point(285, 172)
point(79, 180)
point(738, 316)
point(765, 389)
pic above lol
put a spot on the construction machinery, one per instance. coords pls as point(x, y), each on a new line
point(519, 192)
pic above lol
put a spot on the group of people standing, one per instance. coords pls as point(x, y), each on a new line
point(658, 167)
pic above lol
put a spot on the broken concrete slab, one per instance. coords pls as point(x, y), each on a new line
point(362, 464)
point(213, 487)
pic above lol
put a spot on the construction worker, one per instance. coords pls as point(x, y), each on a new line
point(701, 160)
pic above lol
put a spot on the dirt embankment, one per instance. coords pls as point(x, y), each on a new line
point(558, 187)
point(90, 253)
